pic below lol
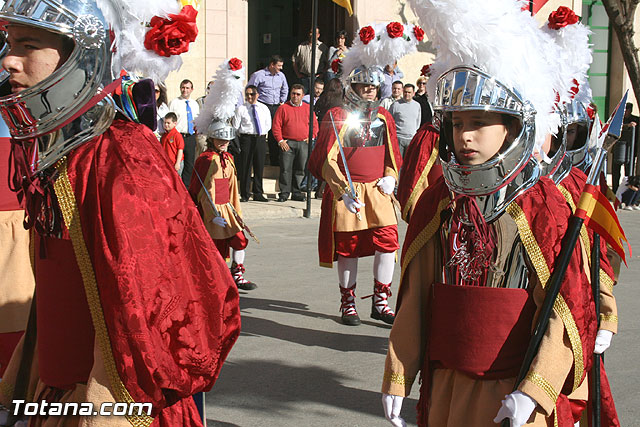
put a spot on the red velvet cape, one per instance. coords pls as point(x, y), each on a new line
point(167, 298)
point(543, 211)
point(420, 163)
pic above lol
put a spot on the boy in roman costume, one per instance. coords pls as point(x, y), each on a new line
point(358, 218)
point(482, 241)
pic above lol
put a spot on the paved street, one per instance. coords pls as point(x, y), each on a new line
point(295, 364)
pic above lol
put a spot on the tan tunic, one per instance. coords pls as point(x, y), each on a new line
point(378, 210)
point(457, 399)
point(225, 210)
point(16, 273)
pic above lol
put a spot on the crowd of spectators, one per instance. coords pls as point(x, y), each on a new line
point(272, 121)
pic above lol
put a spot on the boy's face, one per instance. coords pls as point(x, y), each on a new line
point(366, 91)
point(33, 56)
point(221, 144)
point(169, 124)
point(477, 136)
point(572, 132)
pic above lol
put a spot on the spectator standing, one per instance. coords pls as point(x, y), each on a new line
point(161, 107)
point(336, 52)
point(407, 113)
point(187, 110)
point(392, 73)
point(318, 88)
point(622, 154)
point(396, 94)
point(302, 60)
point(172, 142)
point(291, 130)
point(273, 90)
point(422, 98)
point(253, 121)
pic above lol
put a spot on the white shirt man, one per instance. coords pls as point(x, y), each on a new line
point(187, 110)
point(253, 122)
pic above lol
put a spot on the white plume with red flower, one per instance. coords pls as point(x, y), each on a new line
point(502, 40)
point(575, 54)
point(149, 35)
point(220, 103)
point(381, 44)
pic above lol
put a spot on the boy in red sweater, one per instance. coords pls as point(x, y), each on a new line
point(172, 142)
point(291, 130)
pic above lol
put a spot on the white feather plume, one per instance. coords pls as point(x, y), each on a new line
point(500, 39)
point(220, 103)
point(128, 21)
point(575, 60)
point(382, 50)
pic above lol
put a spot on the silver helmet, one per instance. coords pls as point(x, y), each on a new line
point(579, 149)
point(497, 182)
point(220, 129)
point(363, 75)
point(55, 103)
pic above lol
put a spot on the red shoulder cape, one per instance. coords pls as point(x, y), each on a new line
point(163, 303)
point(420, 167)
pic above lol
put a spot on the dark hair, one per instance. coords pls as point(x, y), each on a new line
point(397, 82)
point(162, 98)
point(411, 86)
point(251, 87)
point(341, 33)
point(171, 116)
point(185, 81)
point(628, 106)
point(297, 86)
point(330, 98)
point(275, 59)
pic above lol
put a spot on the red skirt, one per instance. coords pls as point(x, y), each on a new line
point(238, 242)
point(357, 244)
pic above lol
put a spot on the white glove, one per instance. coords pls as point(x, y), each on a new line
point(516, 406)
point(392, 406)
point(219, 221)
point(387, 184)
point(603, 341)
point(352, 205)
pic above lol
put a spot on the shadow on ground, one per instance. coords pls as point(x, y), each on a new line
point(256, 388)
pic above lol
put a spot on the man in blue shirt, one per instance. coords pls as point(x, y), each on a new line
point(391, 74)
point(273, 91)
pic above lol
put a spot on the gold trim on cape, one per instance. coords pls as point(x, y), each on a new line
point(423, 177)
point(543, 384)
point(71, 216)
point(560, 306)
point(395, 378)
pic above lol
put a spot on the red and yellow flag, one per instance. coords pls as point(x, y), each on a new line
point(598, 215)
point(346, 4)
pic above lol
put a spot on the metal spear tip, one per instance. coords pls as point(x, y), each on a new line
point(613, 127)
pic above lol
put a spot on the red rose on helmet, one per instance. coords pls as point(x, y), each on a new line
point(395, 29)
point(419, 33)
point(426, 70)
point(171, 36)
point(562, 17)
point(335, 65)
point(367, 34)
point(235, 64)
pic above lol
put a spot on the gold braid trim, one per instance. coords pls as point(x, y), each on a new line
point(609, 318)
point(584, 236)
point(423, 237)
point(555, 417)
point(606, 280)
point(560, 306)
point(543, 384)
point(69, 208)
point(396, 378)
point(6, 389)
point(423, 177)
